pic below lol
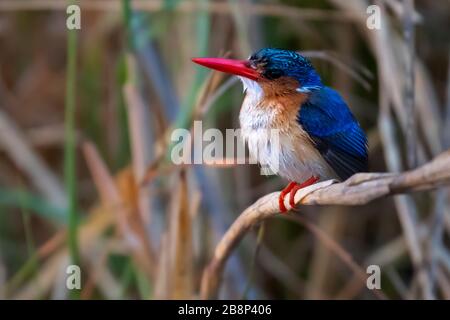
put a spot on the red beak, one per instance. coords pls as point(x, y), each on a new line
point(236, 67)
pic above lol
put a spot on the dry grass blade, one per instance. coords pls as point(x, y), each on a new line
point(138, 117)
point(162, 284)
point(180, 238)
point(127, 221)
point(14, 142)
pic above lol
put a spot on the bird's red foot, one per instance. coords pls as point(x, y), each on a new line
point(292, 189)
point(283, 193)
point(299, 186)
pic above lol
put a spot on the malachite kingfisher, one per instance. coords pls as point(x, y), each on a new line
point(319, 136)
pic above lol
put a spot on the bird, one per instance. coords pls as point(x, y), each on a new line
point(318, 137)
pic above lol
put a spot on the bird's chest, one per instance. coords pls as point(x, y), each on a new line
point(276, 139)
point(268, 129)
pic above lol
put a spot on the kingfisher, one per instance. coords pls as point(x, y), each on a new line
point(318, 136)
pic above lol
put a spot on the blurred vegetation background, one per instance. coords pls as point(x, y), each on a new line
point(86, 117)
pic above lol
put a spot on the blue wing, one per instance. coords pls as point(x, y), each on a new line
point(335, 132)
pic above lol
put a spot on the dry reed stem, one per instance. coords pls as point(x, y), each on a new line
point(14, 142)
point(125, 213)
point(140, 138)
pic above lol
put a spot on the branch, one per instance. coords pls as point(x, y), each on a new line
point(357, 190)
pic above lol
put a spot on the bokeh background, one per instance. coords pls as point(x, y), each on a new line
point(85, 123)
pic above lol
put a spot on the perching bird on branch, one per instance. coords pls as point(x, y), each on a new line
point(318, 136)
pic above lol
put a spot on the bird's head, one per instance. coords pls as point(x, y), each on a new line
point(275, 71)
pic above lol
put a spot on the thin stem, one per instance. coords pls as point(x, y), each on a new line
point(409, 34)
point(259, 240)
point(70, 146)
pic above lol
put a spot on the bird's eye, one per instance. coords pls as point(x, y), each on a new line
point(273, 74)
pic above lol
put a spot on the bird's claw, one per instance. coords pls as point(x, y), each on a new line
point(292, 189)
point(283, 193)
